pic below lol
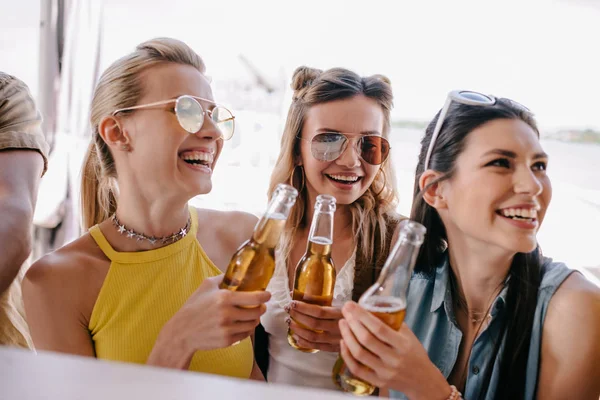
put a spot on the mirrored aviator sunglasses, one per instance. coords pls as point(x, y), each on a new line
point(329, 146)
point(190, 115)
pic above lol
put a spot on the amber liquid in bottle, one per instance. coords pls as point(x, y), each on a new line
point(386, 298)
point(314, 280)
point(390, 310)
point(253, 264)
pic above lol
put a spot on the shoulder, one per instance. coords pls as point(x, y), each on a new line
point(570, 350)
point(574, 305)
point(235, 226)
point(66, 272)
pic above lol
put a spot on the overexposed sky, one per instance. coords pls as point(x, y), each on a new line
point(544, 54)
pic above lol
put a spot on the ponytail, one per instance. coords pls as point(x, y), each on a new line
point(98, 201)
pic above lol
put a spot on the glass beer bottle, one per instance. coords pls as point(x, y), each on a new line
point(315, 273)
point(253, 264)
point(386, 298)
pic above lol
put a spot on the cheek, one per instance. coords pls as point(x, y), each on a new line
point(220, 145)
point(370, 173)
point(313, 169)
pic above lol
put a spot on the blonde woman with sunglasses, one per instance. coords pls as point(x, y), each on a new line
point(335, 142)
point(142, 285)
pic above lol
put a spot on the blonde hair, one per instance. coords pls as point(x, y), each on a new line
point(374, 209)
point(121, 86)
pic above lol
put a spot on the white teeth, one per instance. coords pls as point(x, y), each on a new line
point(530, 213)
point(198, 156)
point(344, 178)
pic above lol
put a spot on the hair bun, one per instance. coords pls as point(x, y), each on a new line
point(304, 76)
point(383, 78)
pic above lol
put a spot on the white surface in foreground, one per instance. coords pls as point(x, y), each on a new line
point(25, 375)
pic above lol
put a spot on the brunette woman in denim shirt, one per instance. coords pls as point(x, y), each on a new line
point(487, 316)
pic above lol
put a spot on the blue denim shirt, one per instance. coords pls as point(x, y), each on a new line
point(431, 317)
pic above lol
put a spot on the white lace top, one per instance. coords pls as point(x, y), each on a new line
point(287, 365)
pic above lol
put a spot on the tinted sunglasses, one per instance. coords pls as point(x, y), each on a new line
point(190, 114)
point(464, 97)
point(329, 146)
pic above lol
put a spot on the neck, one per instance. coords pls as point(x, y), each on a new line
point(480, 273)
point(156, 217)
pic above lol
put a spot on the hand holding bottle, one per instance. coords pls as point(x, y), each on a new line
point(314, 326)
point(385, 304)
point(388, 358)
point(215, 318)
point(314, 284)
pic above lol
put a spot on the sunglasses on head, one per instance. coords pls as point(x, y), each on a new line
point(190, 114)
point(329, 146)
point(463, 97)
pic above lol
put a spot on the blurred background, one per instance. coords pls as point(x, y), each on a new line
point(543, 54)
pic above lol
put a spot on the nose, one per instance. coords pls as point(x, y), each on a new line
point(350, 157)
point(209, 130)
point(526, 182)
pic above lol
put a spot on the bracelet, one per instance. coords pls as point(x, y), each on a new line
point(455, 394)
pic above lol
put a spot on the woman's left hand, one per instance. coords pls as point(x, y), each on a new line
point(387, 358)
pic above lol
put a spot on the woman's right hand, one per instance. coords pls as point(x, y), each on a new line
point(211, 318)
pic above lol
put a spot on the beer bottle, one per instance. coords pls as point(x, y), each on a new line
point(386, 298)
point(253, 264)
point(315, 273)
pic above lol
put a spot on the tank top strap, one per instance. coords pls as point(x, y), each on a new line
point(101, 241)
point(194, 222)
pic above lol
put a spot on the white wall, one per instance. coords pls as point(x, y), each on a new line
point(19, 39)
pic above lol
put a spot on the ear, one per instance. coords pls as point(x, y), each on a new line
point(434, 194)
point(111, 131)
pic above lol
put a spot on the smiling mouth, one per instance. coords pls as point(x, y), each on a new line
point(197, 158)
point(519, 214)
point(345, 179)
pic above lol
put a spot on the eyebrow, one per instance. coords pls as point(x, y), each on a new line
point(336, 131)
point(512, 154)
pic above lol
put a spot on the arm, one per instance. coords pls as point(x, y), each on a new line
point(570, 355)
point(53, 305)
point(256, 374)
point(20, 173)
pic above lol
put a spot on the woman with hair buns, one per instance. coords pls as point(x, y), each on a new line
point(350, 115)
point(141, 286)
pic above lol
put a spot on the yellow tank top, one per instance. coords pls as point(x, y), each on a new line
point(143, 290)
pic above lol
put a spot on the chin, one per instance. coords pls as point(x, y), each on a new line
point(198, 188)
point(523, 246)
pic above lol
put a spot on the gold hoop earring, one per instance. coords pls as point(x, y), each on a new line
point(302, 174)
point(381, 171)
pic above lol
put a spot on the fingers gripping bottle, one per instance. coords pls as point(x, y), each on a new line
point(315, 273)
point(386, 298)
point(253, 264)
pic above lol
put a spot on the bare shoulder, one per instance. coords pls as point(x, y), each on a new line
point(74, 271)
point(574, 306)
point(235, 226)
point(570, 357)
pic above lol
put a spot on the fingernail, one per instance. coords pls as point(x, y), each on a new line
point(288, 320)
point(286, 308)
point(293, 304)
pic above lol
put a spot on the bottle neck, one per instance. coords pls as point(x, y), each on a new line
point(269, 228)
point(321, 228)
point(398, 268)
